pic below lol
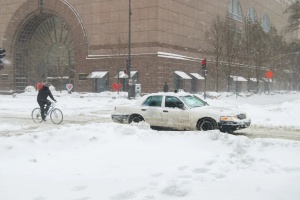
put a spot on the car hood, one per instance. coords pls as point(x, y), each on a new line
point(218, 110)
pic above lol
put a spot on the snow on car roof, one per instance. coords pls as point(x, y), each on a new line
point(180, 93)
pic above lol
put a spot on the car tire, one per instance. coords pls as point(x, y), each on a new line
point(227, 130)
point(136, 118)
point(206, 124)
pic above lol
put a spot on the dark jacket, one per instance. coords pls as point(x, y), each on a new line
point(166, 88)
point(44, 93)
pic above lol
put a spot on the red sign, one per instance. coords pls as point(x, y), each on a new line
point(69, 87)
point(269, 74)
point(117, 87)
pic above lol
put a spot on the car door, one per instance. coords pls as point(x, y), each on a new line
point(152, 110)
point(174, 116)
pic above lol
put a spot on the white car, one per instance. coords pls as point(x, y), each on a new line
point(181, 111)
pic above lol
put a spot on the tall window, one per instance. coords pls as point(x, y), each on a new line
point(44, 49)
point(235, 11)
point(265, 23)
point(251, 15)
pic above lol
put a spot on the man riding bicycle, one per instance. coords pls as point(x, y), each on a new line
point(42, 100)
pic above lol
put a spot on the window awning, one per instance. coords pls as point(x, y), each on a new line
point(239, 78)
point(123, 75)
point(59, 77)
point(254, 80)
point(97, 74)
point(182, 75)
point(197, 76)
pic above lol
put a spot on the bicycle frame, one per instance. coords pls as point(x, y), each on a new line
point(55, 114)
point(51, 107)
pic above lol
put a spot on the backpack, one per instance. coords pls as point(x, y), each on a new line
point(39, 86)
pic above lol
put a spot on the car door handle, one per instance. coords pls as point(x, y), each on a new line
point(165, 111)
point(144, 109)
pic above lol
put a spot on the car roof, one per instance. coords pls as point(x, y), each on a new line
point(169, 93)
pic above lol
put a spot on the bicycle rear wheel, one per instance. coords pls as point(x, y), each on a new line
point(56, 116)
point(36, 115)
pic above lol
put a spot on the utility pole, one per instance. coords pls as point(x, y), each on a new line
point(128, 63)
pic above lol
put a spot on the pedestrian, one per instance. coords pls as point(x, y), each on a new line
point(42, 100)
point(166, 87)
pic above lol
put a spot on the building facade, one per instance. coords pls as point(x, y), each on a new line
point(85, 42)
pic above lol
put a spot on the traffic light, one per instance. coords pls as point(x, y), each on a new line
point(2, 56)
point(204, 69)
point(126, 71)
point(203, 63)
point(128, 64)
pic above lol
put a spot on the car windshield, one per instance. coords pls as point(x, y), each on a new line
point(193, 101)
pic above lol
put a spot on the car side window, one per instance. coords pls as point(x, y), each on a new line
point(153, 101)
point(172, 102)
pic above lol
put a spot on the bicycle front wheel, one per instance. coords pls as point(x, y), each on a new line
point(36, 115)
point(56, 116)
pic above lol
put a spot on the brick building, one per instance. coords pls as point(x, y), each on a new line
point(85, 42)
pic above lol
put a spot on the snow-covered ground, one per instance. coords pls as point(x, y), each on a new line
point(88, 157)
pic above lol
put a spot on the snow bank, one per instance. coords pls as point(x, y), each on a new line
point(113, 161)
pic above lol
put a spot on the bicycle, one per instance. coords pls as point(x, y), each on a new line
point(56, 114)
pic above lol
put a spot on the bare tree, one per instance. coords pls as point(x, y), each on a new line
point(278, 50)
point(250, 50)
point(214, 37)
point(247, 49)
point(294, 15)
point(118, 51)
point(259, 50)
point(231, 39)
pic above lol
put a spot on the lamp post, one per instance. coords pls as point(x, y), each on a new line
point(204, 72)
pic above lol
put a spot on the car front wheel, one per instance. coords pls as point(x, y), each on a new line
point(206, 124)
point(227, 130)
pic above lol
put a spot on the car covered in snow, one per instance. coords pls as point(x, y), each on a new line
point(180, 111)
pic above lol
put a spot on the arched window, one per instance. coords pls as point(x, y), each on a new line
point(251, 15)
point(265, 23)
point(235, 11)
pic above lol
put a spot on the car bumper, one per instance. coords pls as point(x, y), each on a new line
point(234, 125)
point(120, 118)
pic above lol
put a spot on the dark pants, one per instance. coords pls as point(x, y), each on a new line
point(42, 106)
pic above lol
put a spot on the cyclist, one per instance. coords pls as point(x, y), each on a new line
point(42, 100)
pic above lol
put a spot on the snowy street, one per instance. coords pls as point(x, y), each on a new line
point(86, 108)
point(88, 157)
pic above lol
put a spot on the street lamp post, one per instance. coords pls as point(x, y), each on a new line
point(204, 71)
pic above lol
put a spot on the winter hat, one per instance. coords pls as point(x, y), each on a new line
point(47, 84)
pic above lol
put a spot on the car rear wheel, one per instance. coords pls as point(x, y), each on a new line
point(206, 124)
point(136, 118)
